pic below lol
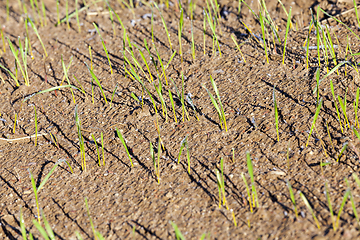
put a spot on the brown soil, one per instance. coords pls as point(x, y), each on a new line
point(127, 202)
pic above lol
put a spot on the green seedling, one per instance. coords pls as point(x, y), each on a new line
point(190, 101)
point(212, 27)
point(286, 34)
point(314, 121)
point(33, 10)
point(327, 194)
point(91, 59)
point(263, 35)
point(192, 41)
point(238, 47)
point(328, 131)
point(102, 148)
point(356, 133)
point(307, 204)
point(15, 122)
point(152, 154)
point(221, 188)
point(152, 24)
point(164, 23)
point(57, 12)
point(143, 86)
point(233, 155)
point(161, 64)
point(81, 140)
point(180, 28)
point(67, 13)
point(17, 61)
point(336, 107)
point(112, 21)
point(103, 43)
point(180, 96)
point(124, 144)
point(221, 182)
point(356, 13)
point(36, 126)
point(184, 144)
point(158, 159)
point(22, 225)
point(146, 64)
point(251, 173)
point(3, 40)
point(67, 78)
point(151, 57)
point(91, 223)
point(292, 197)
point(38, 35)
point(308, 44)
point(112, 96)
point(97, 81)
point(43, 9)
point(204, 34)
point(163, 105)
point(82, 89)
point(12, 75)
point(77, 16)
point(317, 76)
point(42, 231)
point(217, 104)
point(332, 48)
point(357, 180)
point(178, 234)
point(172, 104)
point(343, 107)
point(346, 195)
point(340, 22)
point(49, 90)
point(36, 195)
point(248, 192)
point(54, 139)
point(276, 115)
point(97, 149)
point(353, 203)
point(23, 52)
point(342, 150)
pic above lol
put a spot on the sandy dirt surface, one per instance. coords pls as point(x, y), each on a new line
point(127, 202)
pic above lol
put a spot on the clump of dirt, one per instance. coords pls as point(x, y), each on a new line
point(127, 202)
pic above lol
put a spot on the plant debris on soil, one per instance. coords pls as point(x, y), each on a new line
point(96, 123)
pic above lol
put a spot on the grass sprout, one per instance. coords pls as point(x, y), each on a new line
point(343, 107)
point(217, 104)
point(38, 35)
point(183, 144)
point(102, 147)
point(178, 234)
point(353, 203)
point(67, 78)
point(342, 150)
point(263, 35)
point(307, 204)
point(276, 115)
point(292, 197)
point(238, 47)
point(90, 220)
point(36, 126)
point(97, 149)
point(81, 140)
point(255, 199)
point(124, 144)
point(286, 34)
point(103, 43)
point(164, 23)
point(336, 107)
point(172, 104)
point(327, 194)
point(36, 195)
point(346, 195)
point(314, 121)
point(97, 81)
